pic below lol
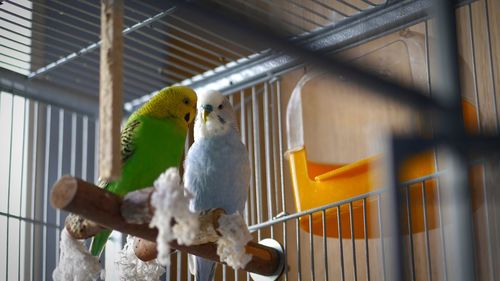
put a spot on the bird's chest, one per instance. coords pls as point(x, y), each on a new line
point(218, 161)
point(214, 176)
point(160, 147)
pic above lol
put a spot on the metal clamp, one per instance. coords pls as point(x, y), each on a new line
point(277, 246)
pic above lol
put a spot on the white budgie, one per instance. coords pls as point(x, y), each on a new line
point(217, 168)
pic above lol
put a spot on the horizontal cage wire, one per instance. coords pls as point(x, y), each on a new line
point(342, 240)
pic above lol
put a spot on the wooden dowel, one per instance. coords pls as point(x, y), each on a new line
point(136, 207)
point(103, 207)
point(144, 249)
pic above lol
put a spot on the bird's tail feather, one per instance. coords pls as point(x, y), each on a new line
point(205, 269)
point(99, 241)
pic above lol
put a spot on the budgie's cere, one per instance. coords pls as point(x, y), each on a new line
point(152, 141)
point(217, 169)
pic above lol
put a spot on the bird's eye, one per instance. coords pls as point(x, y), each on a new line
point(186, 101)
point(221, 106)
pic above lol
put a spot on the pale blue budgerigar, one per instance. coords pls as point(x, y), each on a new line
point(217, 168)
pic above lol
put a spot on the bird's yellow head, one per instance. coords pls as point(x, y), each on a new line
point(177, 102)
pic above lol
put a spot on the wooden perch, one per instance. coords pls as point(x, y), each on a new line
point(144, 249)
point(104, 208)
point(136, 207)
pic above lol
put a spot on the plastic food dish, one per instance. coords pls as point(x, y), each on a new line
point(319, 184)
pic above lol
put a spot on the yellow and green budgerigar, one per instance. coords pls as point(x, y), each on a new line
point(152, 140)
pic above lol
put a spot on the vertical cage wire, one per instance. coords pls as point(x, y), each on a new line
point(441, 226)
point(22, 235)
point(242, 109)
point(60, 145)
point(353, 243)
point(257, 155)
point(298, 256)
point(491, 65)
point(381, 235)
point(48, 132)
point(250, 142)
point(365, 233)
point(34, 167)
point(341, 245)
point(410, 233)
point(8, 186)
point(311, 247)
point(426, 231)
point(267, 153)
point(40, 145)
point(325, 243)
point(167, 273)
point(280, 144)
point(274, 152)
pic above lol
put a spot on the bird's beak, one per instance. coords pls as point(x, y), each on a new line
point(205, 115)
point(207, 108)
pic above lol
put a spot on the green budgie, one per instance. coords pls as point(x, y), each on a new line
point(152, 141)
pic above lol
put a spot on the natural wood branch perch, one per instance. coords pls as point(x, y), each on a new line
point(104, 208)
point(136, 207)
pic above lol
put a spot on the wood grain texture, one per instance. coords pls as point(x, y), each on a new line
point(144, 249)
point(110, 89)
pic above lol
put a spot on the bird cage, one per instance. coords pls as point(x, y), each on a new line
point(401, 213)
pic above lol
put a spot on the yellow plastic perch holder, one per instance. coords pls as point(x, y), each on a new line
point(319, 184)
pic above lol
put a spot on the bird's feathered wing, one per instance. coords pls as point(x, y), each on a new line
point(148, 147)
point(127, 150)
point(127, 146)
point(127, 139)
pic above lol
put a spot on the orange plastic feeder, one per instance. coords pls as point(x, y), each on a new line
point(319, 184)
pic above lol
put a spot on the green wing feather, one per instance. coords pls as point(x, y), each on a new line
point(126, 139)
point(127, 146)
point(148, 146)
point(127, 150)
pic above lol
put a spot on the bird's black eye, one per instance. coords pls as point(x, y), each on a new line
point(186, 101)
point(221, 106)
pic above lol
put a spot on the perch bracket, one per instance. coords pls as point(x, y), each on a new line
point(281, 267)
